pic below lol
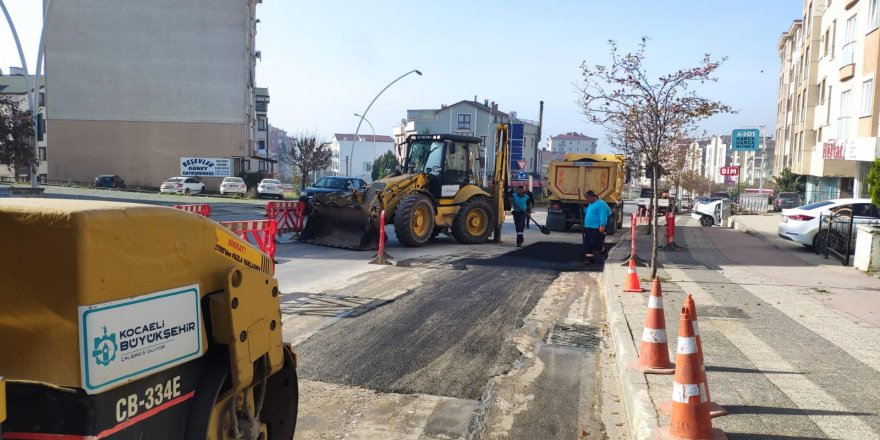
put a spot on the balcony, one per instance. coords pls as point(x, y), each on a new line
point(847, 61)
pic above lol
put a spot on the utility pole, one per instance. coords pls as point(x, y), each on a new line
point(763, 155)
point(538, 140)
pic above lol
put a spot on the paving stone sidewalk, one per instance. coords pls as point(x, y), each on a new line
point(782, 358)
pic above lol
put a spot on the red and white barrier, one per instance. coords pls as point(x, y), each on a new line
point(258, 232)
point(202, 209)
point(288, 217)
point(381, 257)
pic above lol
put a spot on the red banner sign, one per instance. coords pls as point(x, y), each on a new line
point(730, 171)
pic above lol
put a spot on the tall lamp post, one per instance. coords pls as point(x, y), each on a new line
point(374, 134)
point(358, 130)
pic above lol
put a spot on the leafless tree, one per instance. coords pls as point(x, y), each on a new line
point(307, 154)
point(647, 119)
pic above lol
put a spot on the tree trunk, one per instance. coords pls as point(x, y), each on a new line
point(653, 226)
point(302, 182)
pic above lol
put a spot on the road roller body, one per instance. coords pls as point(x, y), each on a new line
point(129, 321)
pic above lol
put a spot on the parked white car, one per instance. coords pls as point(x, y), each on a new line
point(801, 224)
point(270, 188)
point(233, 185)
point(707, 211)
point(182, 185)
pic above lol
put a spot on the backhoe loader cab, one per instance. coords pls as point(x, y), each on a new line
point(437, 191)
point(449, 162)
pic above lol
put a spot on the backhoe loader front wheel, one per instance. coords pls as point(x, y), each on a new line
point(474, 221)
point(414, 220)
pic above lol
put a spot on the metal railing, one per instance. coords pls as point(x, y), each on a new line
point(837, 233)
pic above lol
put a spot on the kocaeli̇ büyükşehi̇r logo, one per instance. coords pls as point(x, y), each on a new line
point(105, 348)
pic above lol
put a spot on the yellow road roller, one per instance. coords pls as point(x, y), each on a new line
point(127, 321)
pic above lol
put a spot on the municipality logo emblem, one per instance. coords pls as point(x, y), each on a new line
point(105, 349)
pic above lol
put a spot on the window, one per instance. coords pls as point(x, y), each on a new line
point(42, 153)
point(41, 126)
point(261, 124)
point(833, 38)
point(867, 97)
point(843, 120)
point(247, 165)
point(262, 165)
point(873, 17)
point(261, 145)
point(464, 121)
point(822, 92)
point(850, 42)
point(828, 112)
point(42, 99)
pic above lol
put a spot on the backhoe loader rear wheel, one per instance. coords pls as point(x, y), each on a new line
point(414, 220)
point(474, 221)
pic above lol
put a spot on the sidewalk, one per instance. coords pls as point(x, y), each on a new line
point(790, 347)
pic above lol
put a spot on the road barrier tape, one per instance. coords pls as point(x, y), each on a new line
point(202, 209)
point(288, 217)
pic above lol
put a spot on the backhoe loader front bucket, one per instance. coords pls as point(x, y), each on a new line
point(341, 221)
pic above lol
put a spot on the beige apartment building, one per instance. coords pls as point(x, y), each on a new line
point(145, 86)
point(827, 110)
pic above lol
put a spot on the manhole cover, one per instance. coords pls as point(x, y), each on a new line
point(721, 312)
point(573, 335)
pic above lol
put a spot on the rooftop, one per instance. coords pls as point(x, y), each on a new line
point(572, 136)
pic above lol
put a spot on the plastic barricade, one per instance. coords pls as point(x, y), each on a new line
point(289, 218)
point(202, 209)
point(257, 232)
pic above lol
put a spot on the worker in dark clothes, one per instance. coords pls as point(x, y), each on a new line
point(521, 204)
point(595, 219)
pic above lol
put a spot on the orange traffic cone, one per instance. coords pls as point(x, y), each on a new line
point(689, 418)
point(715, 410)
point(632, 279)
point(654, 350)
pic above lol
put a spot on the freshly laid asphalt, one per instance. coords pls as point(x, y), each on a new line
point(783, 354)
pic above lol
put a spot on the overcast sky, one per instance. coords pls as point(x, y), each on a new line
point(324, 60)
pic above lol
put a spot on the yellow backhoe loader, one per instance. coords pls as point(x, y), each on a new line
point(437, 190)
point(126, 321)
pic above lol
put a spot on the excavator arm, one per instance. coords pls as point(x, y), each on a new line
point(501, 175)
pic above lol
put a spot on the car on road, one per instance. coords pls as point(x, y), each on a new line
point(786, 200)
point(333, 184)
point(109, 181)
point(801, 224)
point(182, 185)
point(233, 185)
point(707, 210)
point(270, 188)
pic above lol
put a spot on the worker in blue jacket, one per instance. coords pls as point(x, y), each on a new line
point(521, 204)
point(596, 215)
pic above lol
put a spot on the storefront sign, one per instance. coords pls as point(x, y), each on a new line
point(206, 166)
point(862, 149)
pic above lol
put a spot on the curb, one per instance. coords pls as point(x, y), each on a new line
point(739, 225)
point(641, 417)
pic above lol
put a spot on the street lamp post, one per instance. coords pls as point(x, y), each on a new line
point(35, 90)
point(357, 131)
point(374, 134)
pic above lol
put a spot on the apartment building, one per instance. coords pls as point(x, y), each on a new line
point(832, 126)
point(573, 143)
point(147, 85)
point(16, 86)
point(358, 154)
point(480, 119)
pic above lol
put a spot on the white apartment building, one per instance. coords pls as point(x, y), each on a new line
point(572, 143)
point(358, 154)
point(827, 119)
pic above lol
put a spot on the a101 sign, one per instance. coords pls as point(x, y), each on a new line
point(745, 139)
point(729, 171)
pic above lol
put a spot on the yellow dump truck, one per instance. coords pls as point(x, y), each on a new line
point(570, 178)
point(126, 321)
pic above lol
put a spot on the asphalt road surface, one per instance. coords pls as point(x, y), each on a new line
point(454, 336)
